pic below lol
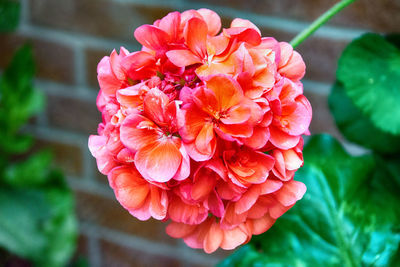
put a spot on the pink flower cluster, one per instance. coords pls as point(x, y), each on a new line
point(203, 127)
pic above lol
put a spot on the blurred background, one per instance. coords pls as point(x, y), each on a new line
point(70, 37)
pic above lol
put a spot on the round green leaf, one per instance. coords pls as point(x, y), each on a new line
point(356, 126)
point(369, 69)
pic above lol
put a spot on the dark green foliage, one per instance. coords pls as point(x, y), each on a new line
point(345, 219)
point(369, 70)
point(357, 127)
point(9, 15)
point(37, 219)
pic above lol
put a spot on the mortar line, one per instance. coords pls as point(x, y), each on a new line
point(147, 246)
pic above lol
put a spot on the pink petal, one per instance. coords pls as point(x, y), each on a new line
point(233, 238)
point(184, 169)
point(270, 186)
point(290, 193)
point(196, 36)
point(154, 106)
point(281, 139)
point(247, 200)
point(237, 114)
point(213, 238)
point(152, 37)
point(137, 131)
point(182, 58)
point(179, 211)
point(262, 224)
point(214, 204)
point(158, 203)
point(171, 24)
point(130, 189)
point(244, 23)
point(212, 19)
point(159, 161)
point(179, 230)
point(115, 62)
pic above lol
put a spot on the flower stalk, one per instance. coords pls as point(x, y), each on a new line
point(303, 35)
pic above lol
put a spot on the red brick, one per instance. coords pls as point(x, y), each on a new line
point(53, 60)
point(93, 57)
point(73, 114)
point(67, 157)
point(109, 213)
point(322, 121)
point(321, 56)
point(116, 255)
point(101, 17)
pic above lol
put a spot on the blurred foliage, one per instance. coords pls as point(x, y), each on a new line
point(350, 215)
point(9, 15)
point(37, 218)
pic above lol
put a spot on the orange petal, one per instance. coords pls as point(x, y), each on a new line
point(179, 211)
point(233, 238)
point(133, 136)
point(205, 139)
point(290, 193)
point(159, 161)
point(130, 188)
point(196, 36)
point(281, 139)
point(180, 230)
point(262, 224)
point(204, 183)
point(227, 91)
point(213, 238)
point(212, 19)
point(182, 58)
point(247, 200)
point(158, 203)
point(237, 114)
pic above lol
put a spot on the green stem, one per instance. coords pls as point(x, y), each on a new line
point(319, 22)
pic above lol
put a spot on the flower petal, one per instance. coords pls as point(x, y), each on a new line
point(159, 161)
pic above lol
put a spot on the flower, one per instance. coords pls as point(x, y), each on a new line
point(203, 127)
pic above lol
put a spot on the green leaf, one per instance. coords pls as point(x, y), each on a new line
point(344, 219)
point(369, 70)
point(31, 172)
point(9, 15)
point(39, 223)
point(356, 126)
point(19, 101)
point(15, 143)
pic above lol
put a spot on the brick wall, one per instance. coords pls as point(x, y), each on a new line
point(70, 37)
